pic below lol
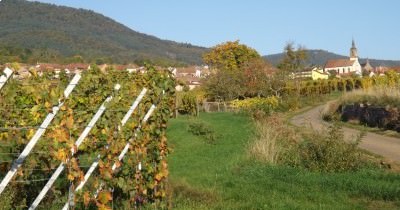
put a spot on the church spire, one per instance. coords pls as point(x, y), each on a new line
point(353, 51)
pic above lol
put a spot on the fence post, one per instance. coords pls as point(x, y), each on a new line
point(28, 148)
point(78, 142)
point(3, 78)
point(96, 162)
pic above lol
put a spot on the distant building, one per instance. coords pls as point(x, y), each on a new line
point(190, 76)
point(314, 73)
point(345, 66)
point(367, 67)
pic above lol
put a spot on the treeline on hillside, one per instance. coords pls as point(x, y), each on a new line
point(57, 33)
point(9, 54)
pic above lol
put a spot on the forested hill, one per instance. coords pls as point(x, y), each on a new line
point(39, 32)
point(319, 57)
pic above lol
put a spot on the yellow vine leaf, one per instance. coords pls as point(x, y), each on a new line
point(70, 122)
point(86, 198)
point(71, 177)
point(30, 134)
point(159, 176)
point(61, 155)
point(60, 135)
point(47, 104)
point(104, 197)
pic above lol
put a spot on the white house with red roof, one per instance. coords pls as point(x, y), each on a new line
point(345, 66)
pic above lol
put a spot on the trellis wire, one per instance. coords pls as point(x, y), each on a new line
point(61, 167)
point(38, 134)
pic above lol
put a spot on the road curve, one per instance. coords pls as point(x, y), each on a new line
point(387, 147)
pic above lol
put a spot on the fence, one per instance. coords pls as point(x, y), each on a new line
point(216, 107)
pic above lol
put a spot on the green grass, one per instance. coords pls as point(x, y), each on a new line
point(221, 175)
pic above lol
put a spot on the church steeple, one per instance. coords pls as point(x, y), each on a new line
point(353, 51)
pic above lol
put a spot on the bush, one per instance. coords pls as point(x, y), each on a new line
point(329, 152)
point(202, 129)
point(266, 105)
point(189, 104)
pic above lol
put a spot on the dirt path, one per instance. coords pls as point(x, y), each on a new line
point(388, 147)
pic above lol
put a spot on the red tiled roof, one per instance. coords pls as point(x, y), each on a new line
point(395, 68)
point(339, 63)
point(74, 66)
point(50, 66)
point(187, 70)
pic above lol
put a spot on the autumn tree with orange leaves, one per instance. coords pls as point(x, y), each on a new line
point(238, 71)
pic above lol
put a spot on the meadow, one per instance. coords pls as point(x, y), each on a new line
point(222, 175)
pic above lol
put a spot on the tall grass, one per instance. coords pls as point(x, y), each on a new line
point(325, 151)
point(382, 96)
point(272, 139)
point(378, 95)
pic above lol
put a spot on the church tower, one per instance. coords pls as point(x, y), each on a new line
point(353, 51)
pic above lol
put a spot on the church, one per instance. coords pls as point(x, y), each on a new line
point(345, 66)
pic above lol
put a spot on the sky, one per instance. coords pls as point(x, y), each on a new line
point(265, 25)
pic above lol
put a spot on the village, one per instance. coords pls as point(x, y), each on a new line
point(192, 76)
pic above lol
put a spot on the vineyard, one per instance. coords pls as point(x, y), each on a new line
point(320, 87)
point(94, 140)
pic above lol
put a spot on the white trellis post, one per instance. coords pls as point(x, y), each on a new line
point(121, 156)
point(28, 148)
point(126, 148)
point(123, 122)
point(3, 78)
point(78, 142)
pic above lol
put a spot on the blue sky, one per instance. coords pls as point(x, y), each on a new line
point(265, 25)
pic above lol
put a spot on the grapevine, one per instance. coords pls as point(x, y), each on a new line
point(24, 104)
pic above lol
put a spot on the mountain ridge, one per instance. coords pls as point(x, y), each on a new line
point(65, 31)
point(319, 57)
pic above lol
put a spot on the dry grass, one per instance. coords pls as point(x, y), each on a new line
point(383, 96)
point(272, 139)
point(378, 95)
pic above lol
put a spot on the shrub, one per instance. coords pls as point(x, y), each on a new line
point(329, 152)
point(266, 105)
point(204, 130)
point(189, 104)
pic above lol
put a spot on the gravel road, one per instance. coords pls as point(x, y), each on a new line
point(387, 147)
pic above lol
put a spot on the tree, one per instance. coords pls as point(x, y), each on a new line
point(229, 56)
point(294, 59)
point(224, 85)
point(277, 83)
point(255, 77)
point(228, 62)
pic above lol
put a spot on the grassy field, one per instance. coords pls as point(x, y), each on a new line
point(221, 175)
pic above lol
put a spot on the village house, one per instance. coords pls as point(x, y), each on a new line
point(314, 73)
point(345, 66)
point(367, 67)
point(190, 76)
